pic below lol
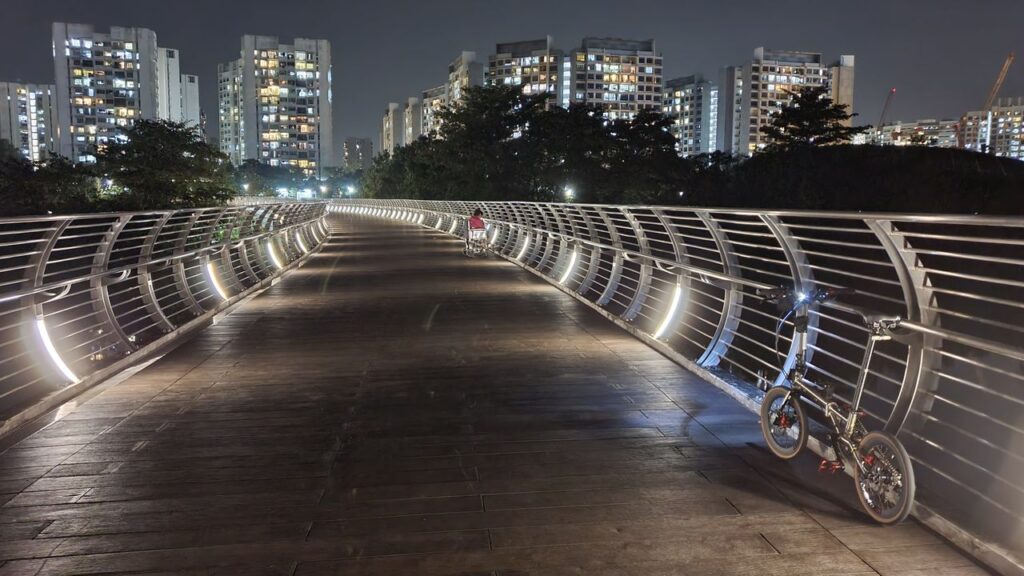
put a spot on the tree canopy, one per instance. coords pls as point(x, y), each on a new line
point(811, 118)
point(164, 164)
point(500, 144)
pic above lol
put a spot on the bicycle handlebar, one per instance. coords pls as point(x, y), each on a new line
point(789, 299)
point(792, 298)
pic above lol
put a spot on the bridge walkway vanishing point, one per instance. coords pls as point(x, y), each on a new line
point(393, 407)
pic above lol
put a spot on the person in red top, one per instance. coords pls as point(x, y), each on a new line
point(476, 227)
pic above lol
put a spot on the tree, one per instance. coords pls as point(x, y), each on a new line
point(164, 165)
point(7, 151)
point(498, 143)
point(255, 178)
point(810, 119)
point(54, 186)
point(484, 146)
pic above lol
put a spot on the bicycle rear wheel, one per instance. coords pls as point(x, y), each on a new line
point(886, 487)
point(783, 423)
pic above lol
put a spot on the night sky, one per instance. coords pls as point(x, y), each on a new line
point(941, 55)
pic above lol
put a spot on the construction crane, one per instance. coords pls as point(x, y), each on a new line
point(881, 119)
point(999, 82)
point(986, 112)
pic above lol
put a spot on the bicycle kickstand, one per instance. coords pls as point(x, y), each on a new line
point(831, 466)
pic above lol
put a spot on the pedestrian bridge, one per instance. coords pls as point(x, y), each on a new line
point(336, 389)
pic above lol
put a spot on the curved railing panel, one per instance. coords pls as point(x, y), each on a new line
point(80, 293)
point(683, 280)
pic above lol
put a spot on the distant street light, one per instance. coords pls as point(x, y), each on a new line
point(569, 193)
point(350, 189)
point(323, 189)
point(245, 186)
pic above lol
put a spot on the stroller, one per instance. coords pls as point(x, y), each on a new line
point(476, 242)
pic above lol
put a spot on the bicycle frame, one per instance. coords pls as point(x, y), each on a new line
point(844, 424)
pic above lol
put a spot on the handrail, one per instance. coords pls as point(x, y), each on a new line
point(80, 293)
point(957, 282)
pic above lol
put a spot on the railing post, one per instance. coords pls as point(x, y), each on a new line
point(32, 310)
point(616, 271)
point(99, 295)
point(732, 297)
point(679, 255)
point(646, 272)
point(145, 277)
point(225, 252)
point(549, 246)
point(594, 260)
point(180, 279)
point(918, 297)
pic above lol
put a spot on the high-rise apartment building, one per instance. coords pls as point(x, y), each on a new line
point(730, 108)
point(691, 102)
point(535, 65)
point(104, 82)
point(28, 118)
point(622, 77)
point(464, 72)
point(168, 70)
point(932, 133)
point(764, 85)
point(412, 121)
point(232, 128)
point(358, 153)
point(191, 113)
point(434, 101)
point(999, 131)
point(275, 104)
point(177, 93)
point(391, 131)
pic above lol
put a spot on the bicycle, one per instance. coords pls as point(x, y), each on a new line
point(882, 469)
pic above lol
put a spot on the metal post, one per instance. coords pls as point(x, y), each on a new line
point(918, 296)
point(646, 272)
point(99, 295)
point(732, 297)
point(144, 276)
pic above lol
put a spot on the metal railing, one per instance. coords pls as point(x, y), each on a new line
point(80, 293)
point(683, 279)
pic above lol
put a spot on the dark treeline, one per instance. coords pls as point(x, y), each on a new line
point(500, 144)
point(158, 166)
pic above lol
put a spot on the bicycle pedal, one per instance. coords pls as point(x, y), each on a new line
point(830, 466)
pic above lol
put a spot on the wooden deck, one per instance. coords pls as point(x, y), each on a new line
point(394, 408)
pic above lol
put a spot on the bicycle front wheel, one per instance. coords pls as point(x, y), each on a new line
point(783, 423)
point(885, 487)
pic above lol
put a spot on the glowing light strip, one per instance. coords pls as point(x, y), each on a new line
point(523, 251)
point(569, 269)
point(273, 255)
point(494, 236)
point(48, 344)
point(211, 271)
point(671, 313)
point(455, 223)
point(301, 245)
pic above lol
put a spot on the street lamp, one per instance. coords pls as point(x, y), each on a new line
point(569, 193)
point(350, 189)
point(245, 186)
point(323, 189)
